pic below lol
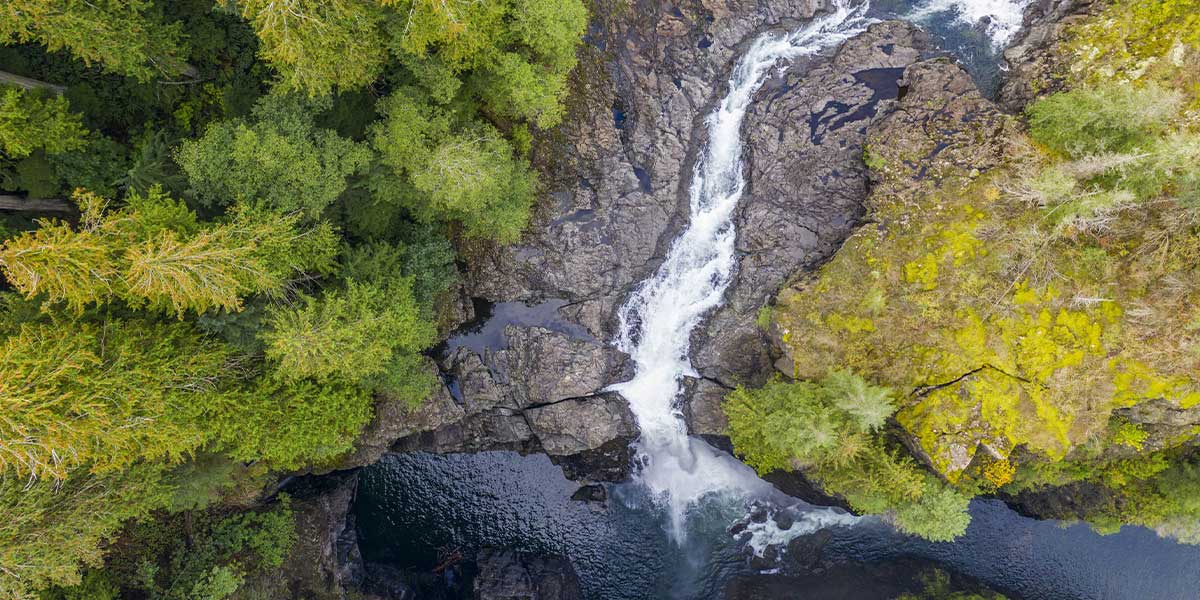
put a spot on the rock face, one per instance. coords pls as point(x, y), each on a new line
point(619, 167)
point(324, 561)
point(618, 172)
point(542, 393)
point(508, 575)
point(1034, 67)
point(806, 185)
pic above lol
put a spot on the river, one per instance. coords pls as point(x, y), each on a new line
point(667, 532)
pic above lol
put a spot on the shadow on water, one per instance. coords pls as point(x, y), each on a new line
point(410, 505)
point(486, 330)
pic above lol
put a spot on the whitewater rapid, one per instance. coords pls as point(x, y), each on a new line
point(658, 319)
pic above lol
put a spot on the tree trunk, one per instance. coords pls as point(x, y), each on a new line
point(35, 205)
point(29, 84)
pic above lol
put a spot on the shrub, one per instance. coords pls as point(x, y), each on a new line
point(1115, 118)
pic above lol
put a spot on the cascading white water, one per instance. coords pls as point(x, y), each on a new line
point(1001, 19)
point(658, 319)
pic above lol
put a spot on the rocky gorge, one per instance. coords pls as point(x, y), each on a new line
point(616, 178)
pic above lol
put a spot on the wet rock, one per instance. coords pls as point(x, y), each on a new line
point(396, 418)
point(610, 462)
point(798, 486)
point(499, 429)
point(476, 387)
point(702, 411)
point(508, 575)
point(1070, 502)
point(942, 128)
point(807, 551)
point(593, 492)
point(1036, 64)
point(545, 367)
point(619, 167)
point(580, 424)
point(539, 393)
point(806, 184)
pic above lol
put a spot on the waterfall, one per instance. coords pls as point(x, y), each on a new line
point(658, 319)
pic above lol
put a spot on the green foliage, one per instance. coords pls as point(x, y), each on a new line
point(347, 335)
point(468, 174)
point(1114, 118)
point(99, 165)
point(426, 258)
point(122, 36)
point(37, 120)
point(154, 253)
point(160, 356)
point(937, 585)
point(1140, 41)
point(48, 528)
point(95, 586)
point(201, 555)
point(152, 165)
point(290, 423)
point(316, 44)
point(827, 429)
point(1017, 312)
point(102, 396)
point(280, 161)
point(940, 514)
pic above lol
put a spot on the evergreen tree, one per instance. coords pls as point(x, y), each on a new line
point(103, 396)
point(153, 252)
point(32, 120)
point(318, 44)
point(348, 335)
point(280, 161)
point(122, 36)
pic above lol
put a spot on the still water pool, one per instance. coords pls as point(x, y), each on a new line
point(410, 505)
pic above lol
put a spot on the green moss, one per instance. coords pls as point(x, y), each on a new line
point(1021, 309)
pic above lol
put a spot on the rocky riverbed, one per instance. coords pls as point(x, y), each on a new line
point(616, 175)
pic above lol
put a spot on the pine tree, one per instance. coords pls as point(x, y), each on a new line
point(122, 36)
point(32, 120)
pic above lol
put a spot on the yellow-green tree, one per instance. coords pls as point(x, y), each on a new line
point(121, 36)
point(153, 252)
point(103, 396)
point(318, 44)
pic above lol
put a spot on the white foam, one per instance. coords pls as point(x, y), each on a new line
point(658, 319)
point(1003, 17)
point(768, 533)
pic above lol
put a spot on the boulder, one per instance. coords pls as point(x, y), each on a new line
point(540, 393)
point(509, 575)
point(396, 418)
point(580, 424)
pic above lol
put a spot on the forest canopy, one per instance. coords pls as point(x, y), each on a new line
point(229, 229)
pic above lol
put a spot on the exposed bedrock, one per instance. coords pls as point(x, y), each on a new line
point(806, 184)
point(1035, 66)
point(617, 174)
point(618, 169)
point(542, 393)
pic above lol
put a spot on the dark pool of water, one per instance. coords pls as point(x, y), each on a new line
point(410, 505)
point(486, 330)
